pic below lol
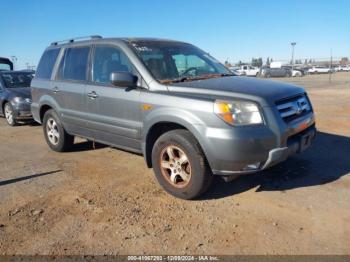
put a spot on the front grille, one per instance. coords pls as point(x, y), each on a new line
point(293, 107)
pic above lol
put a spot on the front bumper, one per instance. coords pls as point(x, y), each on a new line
point(22, 111)
point(297, 144)
point(253, 149)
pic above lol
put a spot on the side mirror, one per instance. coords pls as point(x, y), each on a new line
point(123, 79)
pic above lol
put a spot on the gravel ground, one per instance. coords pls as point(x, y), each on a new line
point(106, 201)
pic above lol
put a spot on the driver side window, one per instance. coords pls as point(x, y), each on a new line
point(109, 59)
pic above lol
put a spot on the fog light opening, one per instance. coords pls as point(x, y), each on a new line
point(253, 166)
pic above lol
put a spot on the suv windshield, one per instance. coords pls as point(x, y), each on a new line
point(14, 80)
point(173, 61)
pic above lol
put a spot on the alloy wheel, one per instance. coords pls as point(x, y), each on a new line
point(9, 114)
point(52, 131)
point(175, 166)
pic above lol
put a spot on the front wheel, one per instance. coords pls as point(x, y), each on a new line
point(9, 114)
point(180, 165)
point(56, 136)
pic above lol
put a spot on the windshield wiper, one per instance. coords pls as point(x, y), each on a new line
point(188, 78)
point(176, 80)
point(227, 74)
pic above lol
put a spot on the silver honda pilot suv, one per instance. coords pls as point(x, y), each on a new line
point(185, 112)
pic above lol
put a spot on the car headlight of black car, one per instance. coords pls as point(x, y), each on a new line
point(19, 99)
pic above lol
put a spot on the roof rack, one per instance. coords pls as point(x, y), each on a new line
point(77, 38)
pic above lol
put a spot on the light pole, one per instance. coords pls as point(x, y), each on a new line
point(293, 45)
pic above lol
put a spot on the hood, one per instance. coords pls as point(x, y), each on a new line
point(244, 87)
point(24, 92)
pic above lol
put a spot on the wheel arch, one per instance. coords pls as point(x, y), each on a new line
point(45, 103)
point(158, 128)
point(43, 109)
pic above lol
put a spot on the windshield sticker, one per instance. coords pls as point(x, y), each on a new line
point(142, 48)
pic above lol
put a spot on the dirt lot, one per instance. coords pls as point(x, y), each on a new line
point(105, 201)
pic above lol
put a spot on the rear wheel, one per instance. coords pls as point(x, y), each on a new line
point(56, 136)
point(9, 114)
point(180, 165)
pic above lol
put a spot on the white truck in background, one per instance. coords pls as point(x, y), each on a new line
point(319, 70)
point(345, 68)
point(248, 70)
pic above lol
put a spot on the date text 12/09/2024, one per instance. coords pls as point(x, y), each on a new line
point(173, 258)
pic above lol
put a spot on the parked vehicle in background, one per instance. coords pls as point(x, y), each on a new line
point(171, 102)
point(15, 96)
point(305, 70)
point(275, 64)
point(248, 70)
point(343, 68)
point(319, 70)
point(295, 72)
point(5, 64)
point(268, 72)
point(235, 73)
point(235, 70)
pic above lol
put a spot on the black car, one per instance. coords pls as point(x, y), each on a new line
point(275, 72)
point(15, 96)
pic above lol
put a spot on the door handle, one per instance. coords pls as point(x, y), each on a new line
point(55, 90)
point(92, 94)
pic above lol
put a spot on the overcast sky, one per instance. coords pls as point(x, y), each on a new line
point(237, 30)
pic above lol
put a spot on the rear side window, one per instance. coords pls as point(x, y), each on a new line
point(74, 64)
point(47, 63)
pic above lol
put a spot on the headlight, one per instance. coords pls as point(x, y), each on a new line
point(238, 112)
point(18, 99)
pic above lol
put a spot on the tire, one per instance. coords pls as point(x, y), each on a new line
point(192, 167)
point(267, 75)
point(56, 137)
point(9, 114)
